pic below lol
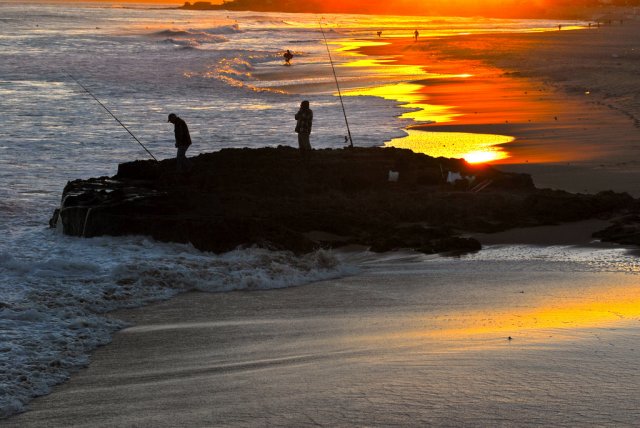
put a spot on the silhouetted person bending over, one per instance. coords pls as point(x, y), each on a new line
point(304, 118)
point(287, 57)
point(183, 141)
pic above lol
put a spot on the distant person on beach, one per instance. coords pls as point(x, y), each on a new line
point(183, 141)
point(304, 118)
point(287, 57)
point(416, 34)
point(379, 33)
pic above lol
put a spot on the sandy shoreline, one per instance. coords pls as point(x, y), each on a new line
point(397, 348)
point(570, 98)
point(596, 68)
point(403, 343)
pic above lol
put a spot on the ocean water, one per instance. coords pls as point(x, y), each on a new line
point(223, 73)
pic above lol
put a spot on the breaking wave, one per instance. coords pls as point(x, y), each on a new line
point(51, 318)
point(224, 29)
point(190, 38)
point(215, 31)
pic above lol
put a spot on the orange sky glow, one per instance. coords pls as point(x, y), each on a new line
point(498, 8)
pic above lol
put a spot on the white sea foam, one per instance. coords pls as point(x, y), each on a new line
point(52, 319)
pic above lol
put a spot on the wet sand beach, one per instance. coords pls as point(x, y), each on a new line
point(407, 342)
point(570, 99)
point(491, 339)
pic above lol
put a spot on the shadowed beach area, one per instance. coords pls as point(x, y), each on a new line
point(515, 335)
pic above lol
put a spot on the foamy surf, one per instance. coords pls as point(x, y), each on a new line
point(52, 309)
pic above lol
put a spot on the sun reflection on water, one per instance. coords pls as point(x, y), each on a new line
point(352, 45)
point(474, 148)
point(387, 64)
point(455, 97)
point(408, 96)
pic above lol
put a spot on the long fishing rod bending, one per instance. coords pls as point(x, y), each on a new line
point(113, 115)
point(337, 84)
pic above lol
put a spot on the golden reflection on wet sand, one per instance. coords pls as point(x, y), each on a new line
point(406, 94)
point(546, 320)
point(474, 148)
point(454, 93)
point(387, 64)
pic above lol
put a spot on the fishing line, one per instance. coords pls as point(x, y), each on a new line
point(337, 84)
point(112, 115)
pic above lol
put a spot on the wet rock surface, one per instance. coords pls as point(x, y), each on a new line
point(272, 197)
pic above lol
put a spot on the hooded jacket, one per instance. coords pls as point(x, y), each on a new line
point(183, 139)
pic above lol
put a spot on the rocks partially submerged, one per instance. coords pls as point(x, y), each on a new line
point(272, 197)
point(624, 230)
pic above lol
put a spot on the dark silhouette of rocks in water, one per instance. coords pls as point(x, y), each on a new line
point(269, 197)
point(624, 230)
point(200, 5)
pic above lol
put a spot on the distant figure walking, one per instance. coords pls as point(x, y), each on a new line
point(183, 141)
point(379, 33)
point(559, 27)
point(304, 118)
point(415, 35)
point(287, 57)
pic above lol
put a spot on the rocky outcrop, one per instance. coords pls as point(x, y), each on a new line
point(624, 230)
point(273, 197)
point(200, 5)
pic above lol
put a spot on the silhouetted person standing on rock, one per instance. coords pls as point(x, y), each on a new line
point(304, 118)
point(183, 141)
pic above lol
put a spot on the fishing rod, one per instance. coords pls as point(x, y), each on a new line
point(112, 115)
point(335, 76)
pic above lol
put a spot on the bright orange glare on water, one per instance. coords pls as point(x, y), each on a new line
point(407, 95)
point(474, 148)
point(465, 95)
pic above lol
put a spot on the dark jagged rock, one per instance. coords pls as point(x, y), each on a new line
point(273, 198)
point(625, 230)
